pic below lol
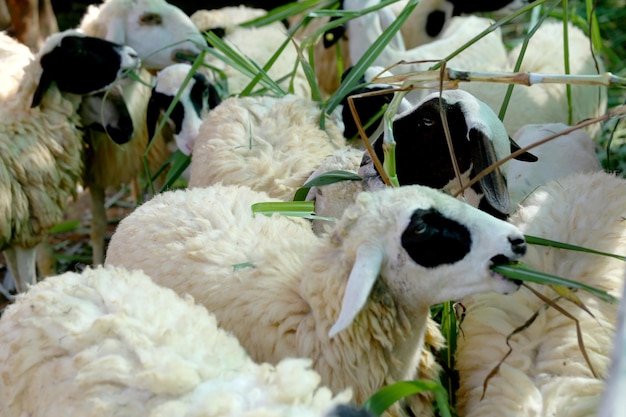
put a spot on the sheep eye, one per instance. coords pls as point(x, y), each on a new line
point(420, 228)
point(428, 121)
point(151, 19)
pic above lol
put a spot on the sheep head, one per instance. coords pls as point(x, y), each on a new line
point(195, 100)
point(425, 245)
point(158, 31)
point(478, 137)
point(80, 64)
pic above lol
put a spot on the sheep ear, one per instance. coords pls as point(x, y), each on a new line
point(364, 273)
point(44, 83)
point(153, 113)
point(526, 156)
point(107, 112)
point(483, 154)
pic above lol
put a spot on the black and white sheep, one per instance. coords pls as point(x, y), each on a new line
point(42, 138)
point(356, 300)
point(159, 32)
point(110, 342)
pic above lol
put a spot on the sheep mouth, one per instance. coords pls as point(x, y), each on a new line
point(502, 260)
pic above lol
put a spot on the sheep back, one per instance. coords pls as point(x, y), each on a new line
point(546, 373)
point(201, 218)
point(100, 350)
point(34, 161)
point(269, 144)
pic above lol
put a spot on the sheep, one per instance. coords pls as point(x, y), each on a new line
point(541, 103)
point(257, 44)
point(547, 103)
point(159, 32)
point(41, 137)
point(567, 154)
point(425, 24)
point(546, 374)
point(422, 156)
point(195, 100)
point(83, 344)
point(268, 143)
point(349, 300)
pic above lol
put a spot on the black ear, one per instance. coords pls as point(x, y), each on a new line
point(44, 83)
point(526, 156)
point(493, 185)
point(214, 96)
point(153, 113)
point(107, 112)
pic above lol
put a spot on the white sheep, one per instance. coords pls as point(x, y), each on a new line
point(546, 373)
point(159, 32)
point(541, 103)
point(41, 137)
point(257, 44)
point(425, 24)
point(268, 143)
point(547, 103)
point(567, 154)
point(356, 301)
point(85, 344)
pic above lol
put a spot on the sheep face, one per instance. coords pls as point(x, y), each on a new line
point(195, 100)
point(425, 246)
point(479, 139)
point(81, 64)
point(157, 30)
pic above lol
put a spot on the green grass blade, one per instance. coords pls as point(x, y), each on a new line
point(523, 272)
point(326, 178)
point(370, 55)
point(387, 396)
point(285, 11)
point(533, 240)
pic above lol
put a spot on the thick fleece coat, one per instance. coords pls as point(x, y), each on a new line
point(285, 292)
point(110, 342)
point(546, 374)
point(270, 144)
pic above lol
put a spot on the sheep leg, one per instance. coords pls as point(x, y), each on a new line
point(98, 223)
point(21, 263)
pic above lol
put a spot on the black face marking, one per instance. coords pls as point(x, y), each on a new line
point(422, 155)
point(432, 239)
point(435, 22)
point(82, 65)
point(366, 107)
point(158, 104)
point(466, 7)
point(203, 95)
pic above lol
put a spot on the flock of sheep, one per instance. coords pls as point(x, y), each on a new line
point(200, 307)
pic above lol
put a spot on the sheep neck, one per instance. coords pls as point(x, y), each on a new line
point(382, 346)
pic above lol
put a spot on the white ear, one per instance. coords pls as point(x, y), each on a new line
point(360, 282)
point(116, 31)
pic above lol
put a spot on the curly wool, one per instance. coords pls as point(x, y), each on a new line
point(257, 44)
point(111, 342)
point(40, 151)
point(197, 219)
point(546, 373)
point(270, 144)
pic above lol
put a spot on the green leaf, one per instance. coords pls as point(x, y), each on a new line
point(68, 226)
point(522, 272)
point(326, 178)
point(533, 240)
point(387, 396)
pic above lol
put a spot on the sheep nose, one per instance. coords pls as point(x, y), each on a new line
point(518, 245)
